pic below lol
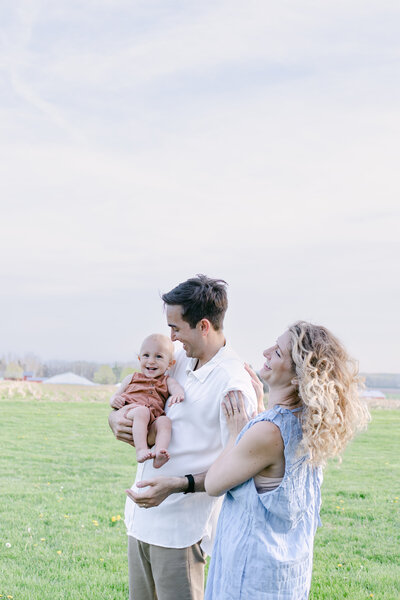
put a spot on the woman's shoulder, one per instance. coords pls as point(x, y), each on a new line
point(280, 418)
point(276, 414)
point(262, 429)
point(264, 434)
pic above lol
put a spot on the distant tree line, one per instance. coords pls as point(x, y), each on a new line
point(13, 367)
point(382, 380)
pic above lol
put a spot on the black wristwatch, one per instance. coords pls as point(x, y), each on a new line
point(190, 489)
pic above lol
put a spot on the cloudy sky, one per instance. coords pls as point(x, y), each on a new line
point(145, 141)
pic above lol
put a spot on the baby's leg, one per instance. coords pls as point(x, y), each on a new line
point(141, 418)
point(162, 426)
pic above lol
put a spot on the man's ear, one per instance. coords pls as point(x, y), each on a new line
point(204, 326)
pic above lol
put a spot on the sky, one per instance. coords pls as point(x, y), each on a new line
point(145, 141)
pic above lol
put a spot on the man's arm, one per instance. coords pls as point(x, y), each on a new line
point(120, 425)
point(161, 487)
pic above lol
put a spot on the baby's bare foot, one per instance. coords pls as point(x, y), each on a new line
point(143, 455)
point(161, 457)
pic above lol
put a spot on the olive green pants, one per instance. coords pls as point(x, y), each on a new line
point(158, 573)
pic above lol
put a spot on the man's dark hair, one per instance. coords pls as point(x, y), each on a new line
point(200, 298)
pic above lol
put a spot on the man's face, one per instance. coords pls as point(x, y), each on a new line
point(191, 339)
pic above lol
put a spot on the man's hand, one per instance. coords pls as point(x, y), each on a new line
point(120, 425)
point(157, 490)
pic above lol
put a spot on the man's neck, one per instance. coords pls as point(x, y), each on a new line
point(214, 345)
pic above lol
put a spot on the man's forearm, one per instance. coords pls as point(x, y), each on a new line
point(154, 491)
point(199, 479)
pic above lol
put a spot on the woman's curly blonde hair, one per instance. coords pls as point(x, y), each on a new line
point(328, 384)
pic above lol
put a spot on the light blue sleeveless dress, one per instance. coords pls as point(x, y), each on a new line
point(264, 542)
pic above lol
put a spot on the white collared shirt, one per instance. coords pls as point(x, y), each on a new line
point(199, 433)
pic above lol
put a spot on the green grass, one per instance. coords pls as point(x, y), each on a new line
point(357, 551)
point(62, 479)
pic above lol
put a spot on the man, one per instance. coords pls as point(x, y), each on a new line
point(166, 544)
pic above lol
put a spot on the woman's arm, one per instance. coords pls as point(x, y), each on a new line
point(260, 447)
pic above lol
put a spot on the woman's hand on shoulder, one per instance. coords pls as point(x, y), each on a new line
point(235, 412)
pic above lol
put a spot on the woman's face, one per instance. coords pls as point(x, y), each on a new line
point(278, 369)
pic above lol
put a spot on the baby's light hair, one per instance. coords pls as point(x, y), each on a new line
point(328, 385)
point(160, 337)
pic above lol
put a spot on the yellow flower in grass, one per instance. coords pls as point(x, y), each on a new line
point(59, 552)
point(42, 539)
point(118, 517)
point(95, 523)
point(113, 519)
point(340, 565)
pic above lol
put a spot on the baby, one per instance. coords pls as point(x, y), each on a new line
point(147, 393)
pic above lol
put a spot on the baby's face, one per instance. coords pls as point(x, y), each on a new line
point(155, 357)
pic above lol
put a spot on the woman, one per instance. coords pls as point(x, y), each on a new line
point(272, 473)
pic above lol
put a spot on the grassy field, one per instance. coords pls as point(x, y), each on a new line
point(62, 498)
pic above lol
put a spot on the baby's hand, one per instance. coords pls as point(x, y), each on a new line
point(175, 399)
point(117, 402)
